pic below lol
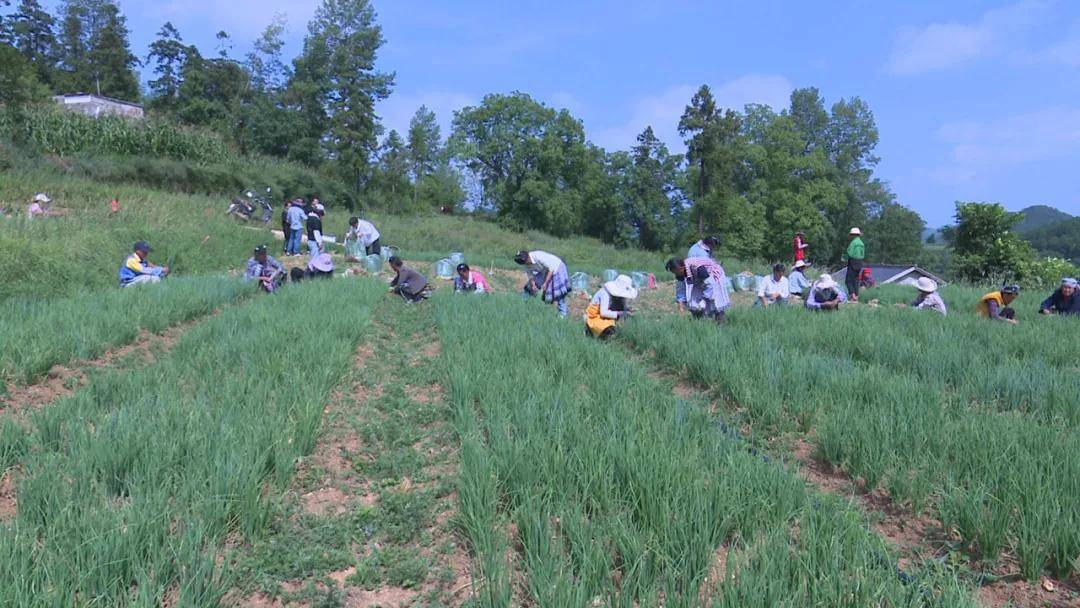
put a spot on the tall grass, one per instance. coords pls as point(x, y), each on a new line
point(37, 334)
point(977, 420)
point(129, 486)
point(615, 492)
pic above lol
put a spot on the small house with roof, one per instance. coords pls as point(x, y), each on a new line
point(887, 274)
point(99, 105)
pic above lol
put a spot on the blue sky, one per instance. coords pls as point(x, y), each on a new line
point(974, 100)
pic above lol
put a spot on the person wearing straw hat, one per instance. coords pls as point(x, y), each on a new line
point(556, 283)
point(825, 294)
point(798, 284)
point(136, 270)
point(263, 268)
point(1064, 301)
point(774, 289)
point(928, 298)
point(856, 253)
point(470, 281)
point(995, 305)
point(706, 286)
point(611, 303)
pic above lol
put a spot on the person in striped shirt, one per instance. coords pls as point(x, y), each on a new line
point(706, 286)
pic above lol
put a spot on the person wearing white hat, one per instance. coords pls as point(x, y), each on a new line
point(928, 298)
point(825, 294)
point(38, 206)
point(798, 284)
point(856, 253)
point(611, 303)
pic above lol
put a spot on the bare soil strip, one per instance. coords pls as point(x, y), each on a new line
point(382, 476)
point(915, 536)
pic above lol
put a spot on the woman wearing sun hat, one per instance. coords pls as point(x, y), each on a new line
point(611, 303)
point(798, 284)
point(928, 298)
point(825, 294)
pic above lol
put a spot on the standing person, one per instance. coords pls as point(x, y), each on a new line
point(856, 253)
point(470, 281)
point(825, 294)
point(706, 286)
point(701, 249)
point(363, 234)
point(798, 284)
point(286, 229)
point(995, 305)
point(928, 298)
point(610, 303)
point(1064, 301)
point(556, 284)
point(407, 283)
point(800, 245)
point(774, 289)
point(314, 232)
point(265, 269)
point(136, 270)
point(297, 218)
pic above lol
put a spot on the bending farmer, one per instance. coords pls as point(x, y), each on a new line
point(825, 294)
point(409, 284)
point(706, 286)
point(995, 305)
point(556, 283)
point(611, 303)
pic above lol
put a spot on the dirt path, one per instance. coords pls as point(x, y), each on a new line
point(369, 520)
point(916, 537)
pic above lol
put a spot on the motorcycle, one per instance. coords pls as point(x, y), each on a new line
point(245, 209)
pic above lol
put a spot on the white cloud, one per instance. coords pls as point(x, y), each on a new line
point(398, 110)
point(663, 111)
point(939, 46)
point(980, 148)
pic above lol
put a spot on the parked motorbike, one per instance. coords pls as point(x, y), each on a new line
point(245, 208)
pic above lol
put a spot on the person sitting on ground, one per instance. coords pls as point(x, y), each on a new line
point(407, 283)
point(866, 279)
point(798, 284)
point(825, 294)
point(39, 206)
point(468, 280)
point(928, 298)
point(136, 270)
point(995, 305)
point(610, 303)
point(1064, 301)
point(320, 267)
point(774, 289)
point(701, 249)
point(314, 233)
point(265, 269)
point(705, 284)
point(362, 238)
point(556, 283)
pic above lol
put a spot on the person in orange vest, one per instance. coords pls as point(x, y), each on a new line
point(995, 305)
point(610, 303)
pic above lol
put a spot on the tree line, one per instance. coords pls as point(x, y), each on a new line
point(754, 175)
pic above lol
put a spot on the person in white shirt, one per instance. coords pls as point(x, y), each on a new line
point(556, 282)
point(362, 235)
point(610, 304)
point(774, 289)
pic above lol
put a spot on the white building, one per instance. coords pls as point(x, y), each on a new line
point(97, 105)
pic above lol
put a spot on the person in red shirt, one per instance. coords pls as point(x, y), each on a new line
point(801, 246)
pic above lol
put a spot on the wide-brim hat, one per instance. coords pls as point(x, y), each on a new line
point(855, 232)
point(926, 285)
point(41, 197)
point(621, 287)
point(322, 262)
point(800, 264)
point(826, 281)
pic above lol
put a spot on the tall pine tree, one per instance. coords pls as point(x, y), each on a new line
point(32, 30)
point(95, 55)
point(169, 54)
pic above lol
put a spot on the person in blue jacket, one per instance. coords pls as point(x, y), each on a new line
point(1064, 301)
point(136, 270)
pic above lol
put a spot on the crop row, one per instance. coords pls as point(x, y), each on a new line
point(939, 412)
point(612, 491)
point(128, 487)
point(38, 334)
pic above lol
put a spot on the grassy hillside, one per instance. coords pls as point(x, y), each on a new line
point(1038, 216)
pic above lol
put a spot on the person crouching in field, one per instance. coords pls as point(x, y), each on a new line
point(611, 303)
point(1064, 301)
point(320, 267)
point(825, 294)
point(265, 269)
point(774, 289)
point(705, 284)
point(995, 305)
point(470, 281)
point(556, 283)
point(928, 298)
point(798, 284)
point(409, 284)
point(136, 270)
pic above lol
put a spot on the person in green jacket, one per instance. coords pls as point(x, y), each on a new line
point(856, 251)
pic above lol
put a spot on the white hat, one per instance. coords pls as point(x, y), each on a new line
point(926, 285)
point(855, 231)
point(621, 287)
point(41, 197)
point(826, 281)
point(800, 264)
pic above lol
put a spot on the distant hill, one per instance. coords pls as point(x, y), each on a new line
point(1038, 216)
point(1058, 239)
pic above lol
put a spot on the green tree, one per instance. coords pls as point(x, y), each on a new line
point(32, 30)
point(169, 54)
point(652, 186)
point(698, 124)
point(425, 149)
point(95, 54)
point(19, 85)
point(339, 75)
point(391, 180)
point(894, 235)
point(984, 246)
